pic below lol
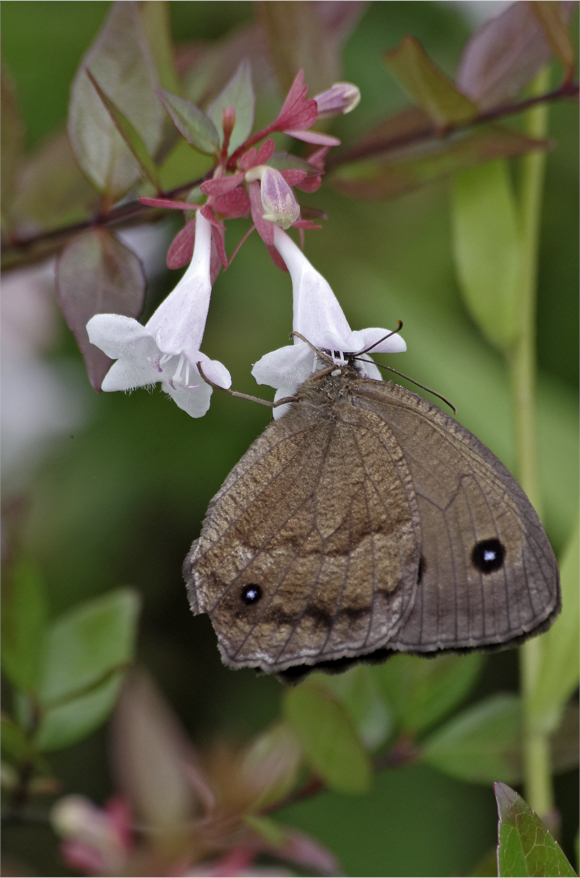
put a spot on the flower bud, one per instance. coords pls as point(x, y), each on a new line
point(338, 100)
point(280, 205)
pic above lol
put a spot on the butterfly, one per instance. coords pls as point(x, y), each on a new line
point(366, 522)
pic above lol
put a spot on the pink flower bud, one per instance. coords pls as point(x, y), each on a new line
point(280, 205)
point(338, 100)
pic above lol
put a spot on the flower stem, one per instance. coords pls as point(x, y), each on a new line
point(536, 744)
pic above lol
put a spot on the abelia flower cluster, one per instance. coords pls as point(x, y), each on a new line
point(261, 181)
point(168, 348)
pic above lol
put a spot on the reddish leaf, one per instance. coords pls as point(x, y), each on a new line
point(234, 204)
point(310, 184)
point(181, 249)
point(408, 170)
point(121, 61)
point(427, 85)
point(264, 227)
point(297, 111)
point(221, 185)
point(276, 258)
point(293, 178)
point(504, 55)
point(96, 274)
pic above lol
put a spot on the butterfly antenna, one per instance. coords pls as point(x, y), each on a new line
point(316, 350)
point(416, 383)
point(272, 405)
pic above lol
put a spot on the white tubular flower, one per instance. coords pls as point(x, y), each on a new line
point(319, 318)
point(167, 348)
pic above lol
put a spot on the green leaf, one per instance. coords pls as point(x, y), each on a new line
point(428, 86)
point(525, 847)
point(486, 248)
point(410, 168)
point(420, 692)
point(15, 744)
point(129, 135)
point(89, 643)
point(267, 829)
point(24, 620)
point(157, 24)
point(239, 94)
point(480, 744)
point(269, 764)
point(71, 721)
point(327, 734)
point(121, 61)
point(358, 691)
point(198, 130)
point(559, 666)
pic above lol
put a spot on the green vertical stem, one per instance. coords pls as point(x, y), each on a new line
point(536, 744)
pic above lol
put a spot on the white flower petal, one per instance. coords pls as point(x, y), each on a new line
point(316, 308)
point(286, 367)
point(128, 373)
point(194, 400)
point(115, 334)
point(368, 369)
point(392, 345)
point(280, 394)
point(216, 372)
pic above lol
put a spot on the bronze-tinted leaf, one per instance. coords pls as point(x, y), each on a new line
point(96, 274)
point(297, 41)
point(157, 25)
point(428, 86)
point(554, 25)
point(52, 189)
point(239, 94)
point(411, 168)
point(191, 122)
point(12, 140)
point(504, 55)
point(391, 135)
point(129, 134)
point(121, 62)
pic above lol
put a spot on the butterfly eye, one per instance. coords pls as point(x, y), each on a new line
point(488, 555)
point(251, 594)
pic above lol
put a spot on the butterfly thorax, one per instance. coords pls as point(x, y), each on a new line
point(329, 388)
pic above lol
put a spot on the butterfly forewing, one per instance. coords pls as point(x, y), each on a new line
point(319, 516)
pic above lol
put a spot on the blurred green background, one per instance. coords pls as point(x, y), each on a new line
point(119, 500)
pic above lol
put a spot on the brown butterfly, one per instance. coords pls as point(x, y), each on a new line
point(366, 522)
